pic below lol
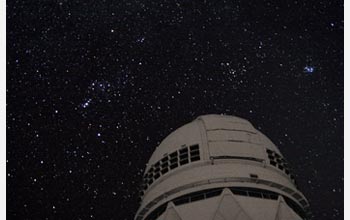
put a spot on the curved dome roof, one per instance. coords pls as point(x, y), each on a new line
point(215, 151)
point(210, 130)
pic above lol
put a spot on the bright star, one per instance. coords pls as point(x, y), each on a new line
point(309, 69)
point(140, 40)
point(86, 104)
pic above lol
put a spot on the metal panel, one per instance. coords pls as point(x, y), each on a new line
point(240, 149)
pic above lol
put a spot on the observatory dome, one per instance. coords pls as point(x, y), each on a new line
point(213, 155)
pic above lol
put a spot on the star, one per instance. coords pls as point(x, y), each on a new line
point(309, 69)
point(86, 103)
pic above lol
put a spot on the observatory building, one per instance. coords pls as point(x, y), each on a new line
point(219, 168)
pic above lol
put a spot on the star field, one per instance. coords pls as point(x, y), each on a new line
point(94, 86)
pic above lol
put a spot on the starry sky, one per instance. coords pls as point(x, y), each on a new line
point(94, 86)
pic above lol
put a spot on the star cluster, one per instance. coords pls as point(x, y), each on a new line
point(94, 86)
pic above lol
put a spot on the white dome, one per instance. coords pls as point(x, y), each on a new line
point(212, 131)
point(215, 151)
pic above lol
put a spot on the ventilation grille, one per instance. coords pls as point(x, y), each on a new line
point(279, 162)
point(170, 162)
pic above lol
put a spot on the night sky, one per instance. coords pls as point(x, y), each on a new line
point(94, 86)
